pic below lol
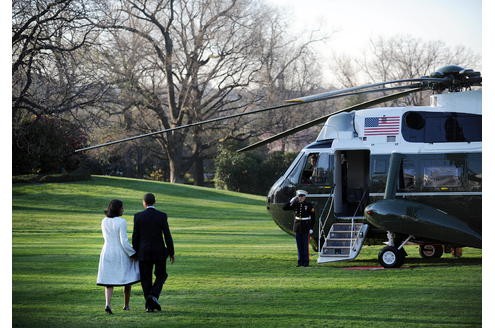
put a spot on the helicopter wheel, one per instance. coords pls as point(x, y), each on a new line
point(391, 257)
point(429, 251)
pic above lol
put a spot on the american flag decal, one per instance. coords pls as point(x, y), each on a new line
point(381, 126)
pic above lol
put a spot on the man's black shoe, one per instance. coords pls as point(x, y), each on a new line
point(154, 303)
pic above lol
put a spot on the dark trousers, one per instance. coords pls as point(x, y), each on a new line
point(302, 241)
point(151, 288)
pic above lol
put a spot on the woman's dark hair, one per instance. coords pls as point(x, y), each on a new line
point(114, 208)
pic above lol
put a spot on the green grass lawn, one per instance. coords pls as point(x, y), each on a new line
point(234, 267)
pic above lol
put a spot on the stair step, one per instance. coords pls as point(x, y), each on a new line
point(351, 218)
point(348, 239)
point(338, 243)
point(343, 227)
point(328, 251)
point(342, 234)
point(343, 242)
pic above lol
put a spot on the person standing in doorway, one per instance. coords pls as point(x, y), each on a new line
point(153, 243)
point(303, 224)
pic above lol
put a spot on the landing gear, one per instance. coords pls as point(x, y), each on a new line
point(429, 251)
point(391, 257)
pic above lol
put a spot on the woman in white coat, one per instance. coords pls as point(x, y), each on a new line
point(116, 267)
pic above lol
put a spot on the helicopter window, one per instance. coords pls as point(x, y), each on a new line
point(442, 175)
point(407, 181)
point(474, 172)
point(432, 127)
point(414, 120)
point(316, 169)
point(296, 171)
point(471, 126)
point(379, 169)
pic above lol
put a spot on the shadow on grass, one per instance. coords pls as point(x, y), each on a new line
point(359, 321)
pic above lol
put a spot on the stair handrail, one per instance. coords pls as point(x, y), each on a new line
point(320, 226)
point(351, 244)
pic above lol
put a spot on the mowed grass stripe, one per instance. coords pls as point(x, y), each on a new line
point(234, 268)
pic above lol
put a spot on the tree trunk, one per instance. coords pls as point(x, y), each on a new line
point(199, 172)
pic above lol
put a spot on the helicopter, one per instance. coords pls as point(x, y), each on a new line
point(409, 174)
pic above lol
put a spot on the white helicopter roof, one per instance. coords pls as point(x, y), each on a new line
point(375, 126)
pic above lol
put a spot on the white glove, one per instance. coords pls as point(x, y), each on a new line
point(311, 231)
point(293, 199)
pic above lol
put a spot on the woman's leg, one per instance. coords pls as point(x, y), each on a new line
point(108, 296)
point(127, 296)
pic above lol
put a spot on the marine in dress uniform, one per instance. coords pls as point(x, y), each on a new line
point(303, 223)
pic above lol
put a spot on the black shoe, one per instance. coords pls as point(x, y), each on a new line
point(126, 308)
point(154, 303)
point(148, 307)
point(108, 310)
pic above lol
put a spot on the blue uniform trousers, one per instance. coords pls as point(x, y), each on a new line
point(302, 241)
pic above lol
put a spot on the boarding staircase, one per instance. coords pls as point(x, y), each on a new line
point(344, 239)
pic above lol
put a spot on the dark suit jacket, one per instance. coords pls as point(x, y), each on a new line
point(150, 231)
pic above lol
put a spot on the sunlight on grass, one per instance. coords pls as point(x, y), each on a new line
point(234, 267)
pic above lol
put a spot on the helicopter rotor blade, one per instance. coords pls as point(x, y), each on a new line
point(420, 82)
point(325, 117)
point(289, 103)
point(184, 127)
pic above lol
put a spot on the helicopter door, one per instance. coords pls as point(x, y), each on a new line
point(351, 181)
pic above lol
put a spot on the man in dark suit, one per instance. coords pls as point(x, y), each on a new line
point(150, 231)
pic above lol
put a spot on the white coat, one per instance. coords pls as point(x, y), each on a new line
point(116, 268)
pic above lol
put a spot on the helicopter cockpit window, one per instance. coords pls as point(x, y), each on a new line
point(296, 171)
point(433, 127)
point(316, 169)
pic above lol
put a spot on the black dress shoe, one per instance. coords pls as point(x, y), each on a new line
point(152, 303)
point(126, 308)
point(108, 310)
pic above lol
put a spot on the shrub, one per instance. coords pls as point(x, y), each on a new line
point(250, 172)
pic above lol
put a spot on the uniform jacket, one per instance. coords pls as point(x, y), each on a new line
point(302, 210)
point(151, 237)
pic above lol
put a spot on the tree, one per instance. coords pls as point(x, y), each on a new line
point(290, 69)
point(189, 61)
point(47, 78)
point(252, 172)
point(193, 56)
point(45, 145)
point(49, 82)
point(401, 57)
